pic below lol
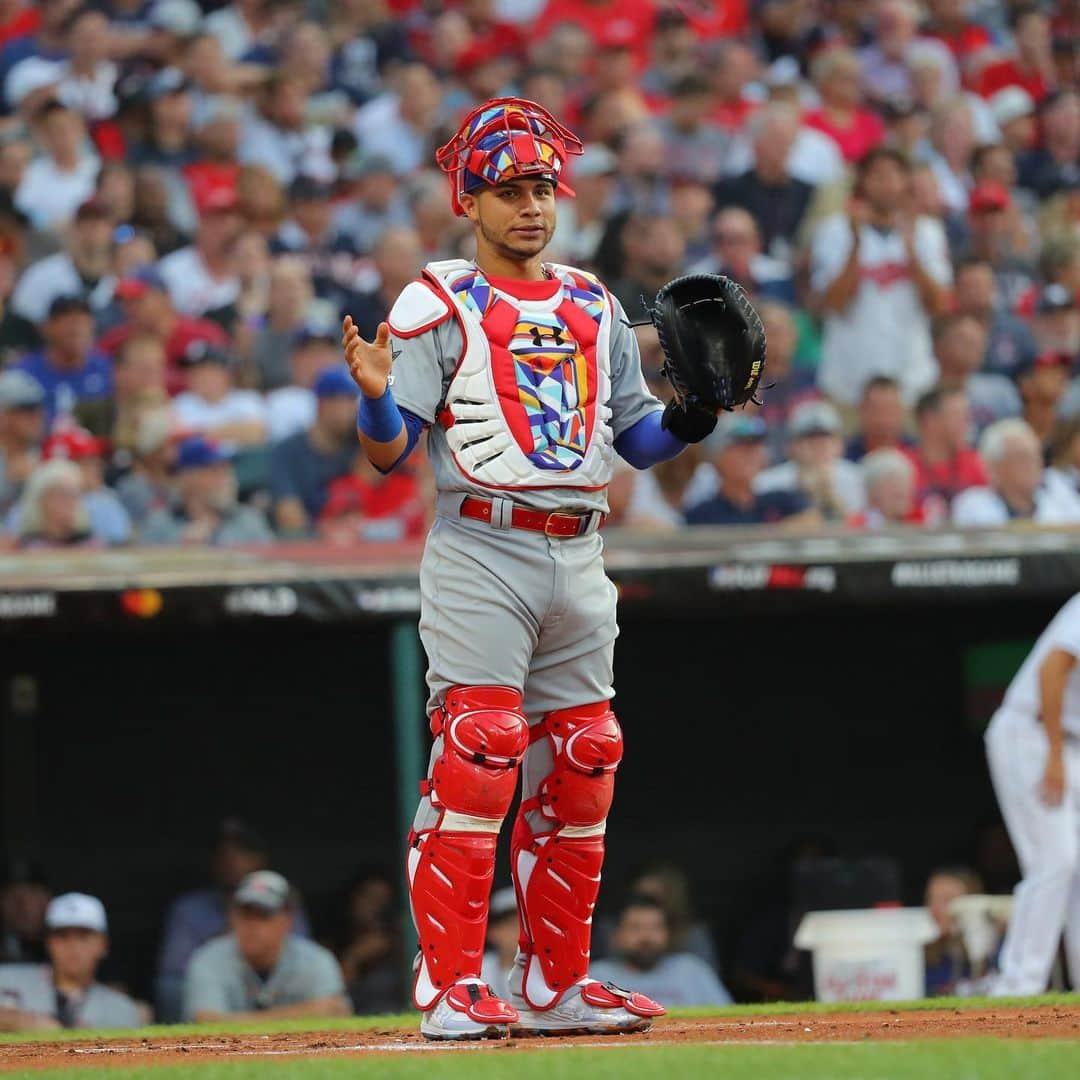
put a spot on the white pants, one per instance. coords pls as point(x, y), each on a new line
point(1047, 843)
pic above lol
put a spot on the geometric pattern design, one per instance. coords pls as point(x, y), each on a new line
point(550, 368)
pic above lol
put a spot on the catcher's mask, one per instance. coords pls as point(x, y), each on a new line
point(506, 139)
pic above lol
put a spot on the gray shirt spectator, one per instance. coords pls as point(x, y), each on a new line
point(64, 993)
point(260, 967)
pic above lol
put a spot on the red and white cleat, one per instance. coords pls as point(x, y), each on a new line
point(468, 1010)
point(588, 1008)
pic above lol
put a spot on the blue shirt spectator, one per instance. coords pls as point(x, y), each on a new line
point(69, 368)
point(302, 466)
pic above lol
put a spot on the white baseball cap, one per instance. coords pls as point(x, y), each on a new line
point(76, 911)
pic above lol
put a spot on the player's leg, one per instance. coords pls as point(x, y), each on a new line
point(478, 640)
point(568, 780)
point(1072, 913)
point(1046, 843)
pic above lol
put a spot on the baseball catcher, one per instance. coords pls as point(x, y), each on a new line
point(527, 378)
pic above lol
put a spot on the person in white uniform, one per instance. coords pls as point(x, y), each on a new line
point(1033, 747)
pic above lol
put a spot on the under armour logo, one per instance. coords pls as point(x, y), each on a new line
point(538, 335)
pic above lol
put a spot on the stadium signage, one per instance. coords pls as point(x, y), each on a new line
point(389, 598)
point(270, 601)
point(27, 605)
point(754, 576)
point(956, 573)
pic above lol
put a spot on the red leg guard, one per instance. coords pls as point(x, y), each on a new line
point(557, 872)
point(451, 864)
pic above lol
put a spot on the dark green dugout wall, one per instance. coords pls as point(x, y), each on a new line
point(122, 749)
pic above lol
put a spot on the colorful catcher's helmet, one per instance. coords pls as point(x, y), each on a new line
point(506, 139)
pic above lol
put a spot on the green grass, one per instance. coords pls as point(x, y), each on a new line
point(959, 1059)
point(410, 1020)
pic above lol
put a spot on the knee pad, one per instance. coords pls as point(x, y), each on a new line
point(588, 746)
point(485, 734)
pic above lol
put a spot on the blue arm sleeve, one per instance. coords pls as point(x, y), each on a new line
point(647, 443)
point(381, 419)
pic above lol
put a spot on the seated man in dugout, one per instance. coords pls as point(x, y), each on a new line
point(64, 993)
point(260, 969)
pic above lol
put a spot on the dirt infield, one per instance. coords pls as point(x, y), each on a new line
point(1052, 1021)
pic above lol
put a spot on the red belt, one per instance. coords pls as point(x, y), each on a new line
point(521, 517)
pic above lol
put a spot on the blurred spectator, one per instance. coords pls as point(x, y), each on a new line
point(673, 53)
point(1031, 68)
point(1065, 453)
point(289, 305)
point(841, 116)
point(369, 949)
point(289, 409)
point(1042, 384)
point(943, 456)
point(889, 479)
point(669, 886)
point(378, 201)
point(57, 182)
point(1055, 164)
point(398, 260)
point(241, 26)
point(642, 181)
point(775, 199)
point(947, 963)
point(959, 347)
point(211, 404)
point(736, 252)
point(197, 916)
point(149, 483)
point(310, 235)
point(1018, 488)
point(69, 367)
point(399, 124)
point(1013, 109)
point(303, 465)
point(653, 250)
point(581, 220)
point(952, 140)
point(790, 383)
point(694, 145)
point(885, 62)
point(22, 427)
point(277, 137)
point(138, 385)
point(816, 467)
point(881, 420)
point(206, 510)
point(1009, 341)
point(993, 239)
point(880, 274)
point(733, 68)
point(109, 521)
point(167, 141)
point(81, 269)
point(738, 454)
point(641, 947)
point(501, 945)
point(1057, 321)
point(24, 897)
point(366, 505)
point(260, 969)
point(64, 993)
point(659, 495)
point(52, 511)
point(201, 278)
point(149, 312)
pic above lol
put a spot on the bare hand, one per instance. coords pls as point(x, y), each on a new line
point(1052, 787)
point(858, 214)
point(369, 361)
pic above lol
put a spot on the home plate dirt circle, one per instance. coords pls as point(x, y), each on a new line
point(1044, 1022)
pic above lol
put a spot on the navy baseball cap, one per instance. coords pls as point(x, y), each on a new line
point(198, 452)
point(139, 281)
point(335, 382)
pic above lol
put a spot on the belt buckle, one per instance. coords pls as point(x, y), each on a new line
point(564, 517)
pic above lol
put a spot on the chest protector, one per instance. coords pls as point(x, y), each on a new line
point(527, 406)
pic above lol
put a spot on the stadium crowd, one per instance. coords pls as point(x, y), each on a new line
point(192, 195)
point(246, 943)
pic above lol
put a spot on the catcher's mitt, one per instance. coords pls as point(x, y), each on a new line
point(715, 348)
